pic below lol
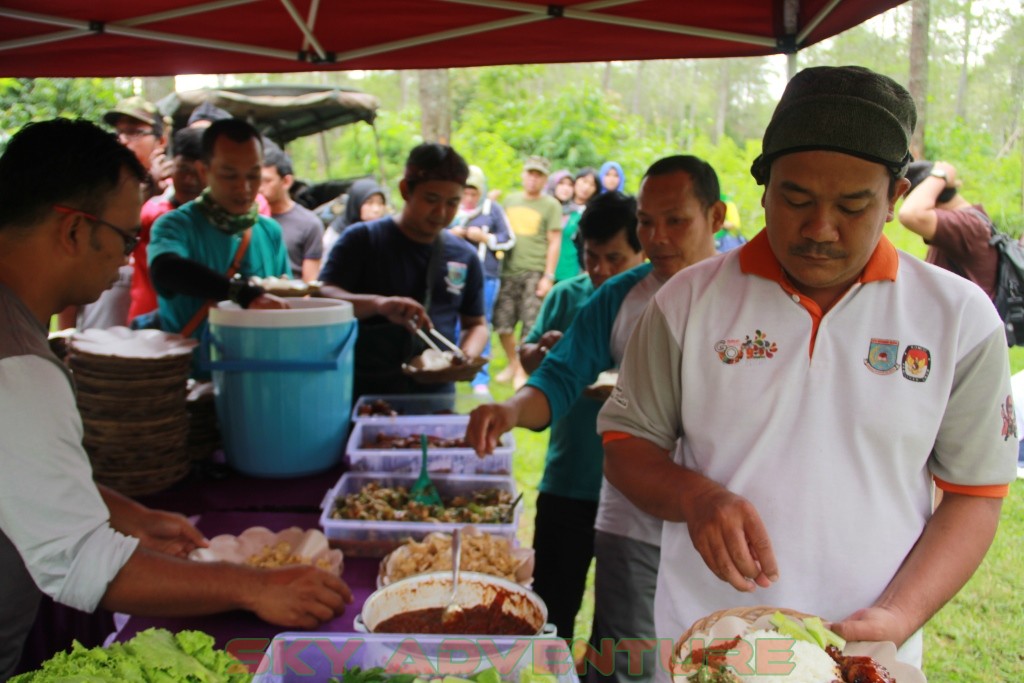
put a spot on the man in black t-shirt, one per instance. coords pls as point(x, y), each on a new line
point(407, 271)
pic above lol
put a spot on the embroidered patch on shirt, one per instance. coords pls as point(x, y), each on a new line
point(917, 363)
point(1009, 419)
point(882, 356)
point(456, 277)
point(732, 351)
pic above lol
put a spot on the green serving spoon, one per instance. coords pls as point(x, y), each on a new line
point(424, 491)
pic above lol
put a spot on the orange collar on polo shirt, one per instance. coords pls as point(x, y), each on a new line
point(757, 258)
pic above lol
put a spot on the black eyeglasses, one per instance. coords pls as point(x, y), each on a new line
point(130, 241)
point(134, 133)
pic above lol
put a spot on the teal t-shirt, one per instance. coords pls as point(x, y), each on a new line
point(187, 233)
point(573, 465)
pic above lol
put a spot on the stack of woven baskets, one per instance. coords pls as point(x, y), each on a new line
point(203, 432)
point(131, 393)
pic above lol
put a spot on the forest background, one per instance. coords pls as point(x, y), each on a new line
point(963, 60)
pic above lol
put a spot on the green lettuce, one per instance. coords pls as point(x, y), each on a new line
point(152, 656)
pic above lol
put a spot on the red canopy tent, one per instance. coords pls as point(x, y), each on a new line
point(165, 37)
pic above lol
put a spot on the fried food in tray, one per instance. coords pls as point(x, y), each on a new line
point(397, 441)
point(379, 503)
point(481, 552)
point(441, 367)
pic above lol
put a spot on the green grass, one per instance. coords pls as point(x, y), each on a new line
point(978, 637)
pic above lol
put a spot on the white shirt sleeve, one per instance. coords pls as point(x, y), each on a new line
point(50, 508)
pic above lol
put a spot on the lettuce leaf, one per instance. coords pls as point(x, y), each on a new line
point(152, 656)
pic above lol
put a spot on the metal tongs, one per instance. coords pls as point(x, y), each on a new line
point(459, 353)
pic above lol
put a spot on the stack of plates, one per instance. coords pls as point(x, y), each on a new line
point(203, 431)
point(131, 394)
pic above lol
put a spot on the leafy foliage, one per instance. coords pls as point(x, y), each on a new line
point(23, 100)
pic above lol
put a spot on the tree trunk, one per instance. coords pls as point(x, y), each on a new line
point(403, 90)
point(638, 88)
point(961, 91)
point(722, 108)
point(436, 120)
point(918, 85)
point(156, 87)
point(606, 80)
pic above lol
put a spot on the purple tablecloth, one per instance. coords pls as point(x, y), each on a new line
point(359, 573)
point(219, 489)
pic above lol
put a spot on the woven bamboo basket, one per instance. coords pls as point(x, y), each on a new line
point(141, 482)
point(129, 406)
point(93, 385)
point(131, 431)
point(129, 365)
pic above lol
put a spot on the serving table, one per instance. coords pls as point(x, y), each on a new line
point(220, 500)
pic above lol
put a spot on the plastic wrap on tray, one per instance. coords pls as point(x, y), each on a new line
point(368, 538)
point(369, 450)
point(302, 657)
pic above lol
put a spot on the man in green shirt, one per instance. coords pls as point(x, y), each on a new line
point(528, 270)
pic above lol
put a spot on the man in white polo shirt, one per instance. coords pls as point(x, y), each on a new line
point(820, 383)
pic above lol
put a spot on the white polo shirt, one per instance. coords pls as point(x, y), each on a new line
point(833, 425)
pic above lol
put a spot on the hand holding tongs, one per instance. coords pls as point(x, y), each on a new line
point(414, 326)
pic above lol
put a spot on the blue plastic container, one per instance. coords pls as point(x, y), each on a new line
point(283, 384)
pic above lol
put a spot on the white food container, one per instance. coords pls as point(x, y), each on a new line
point(461, 460)
point(363, 538)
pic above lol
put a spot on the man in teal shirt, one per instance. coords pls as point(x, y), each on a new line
point(193, 249)
point(569, 490)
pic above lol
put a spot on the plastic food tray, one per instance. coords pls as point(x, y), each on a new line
point(359, 458)
point(319, 657)
point(414, 406)
point(362, 538)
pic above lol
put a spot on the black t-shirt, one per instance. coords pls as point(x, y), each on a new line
point(376, 258)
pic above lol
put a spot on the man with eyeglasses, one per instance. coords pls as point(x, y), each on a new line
point(140, 128)
point(71, 203)
point(193, 249)
point(187, 148)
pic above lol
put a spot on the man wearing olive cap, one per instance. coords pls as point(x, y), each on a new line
point(820, 383)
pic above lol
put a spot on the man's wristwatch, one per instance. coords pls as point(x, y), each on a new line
point(939, 173)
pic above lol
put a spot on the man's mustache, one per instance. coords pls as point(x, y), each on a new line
point(817, 251)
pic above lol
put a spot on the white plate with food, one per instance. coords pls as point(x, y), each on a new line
point(602, 387)
point(261, 547)
point(441, 367)
point(481, 552)
point(780, 646)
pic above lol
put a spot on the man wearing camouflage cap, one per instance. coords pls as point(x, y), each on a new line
point(820, 383)
point(140, 127)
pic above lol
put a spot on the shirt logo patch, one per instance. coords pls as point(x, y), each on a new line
point(455, 280)
point(732, 351)
point(1009, 419)
point(882, 356)
point(917, 363)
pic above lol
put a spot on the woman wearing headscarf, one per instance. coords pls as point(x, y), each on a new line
point(612, 178)
point(366, 202)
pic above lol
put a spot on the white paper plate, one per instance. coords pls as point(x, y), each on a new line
point(310, 545)
point(121, 342)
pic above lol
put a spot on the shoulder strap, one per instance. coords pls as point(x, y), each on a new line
point(204, 310)
point(436, 252)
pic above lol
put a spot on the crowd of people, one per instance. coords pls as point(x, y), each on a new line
point(784, 408)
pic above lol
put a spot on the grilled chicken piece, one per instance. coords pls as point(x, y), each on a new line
point(859, 669)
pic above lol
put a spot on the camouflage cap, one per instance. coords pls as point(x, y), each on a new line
point(137, 108)
point(538, 163)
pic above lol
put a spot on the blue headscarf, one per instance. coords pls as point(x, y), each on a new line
point(604, 169)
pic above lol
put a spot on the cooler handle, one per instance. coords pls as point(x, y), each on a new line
point(256, 365)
